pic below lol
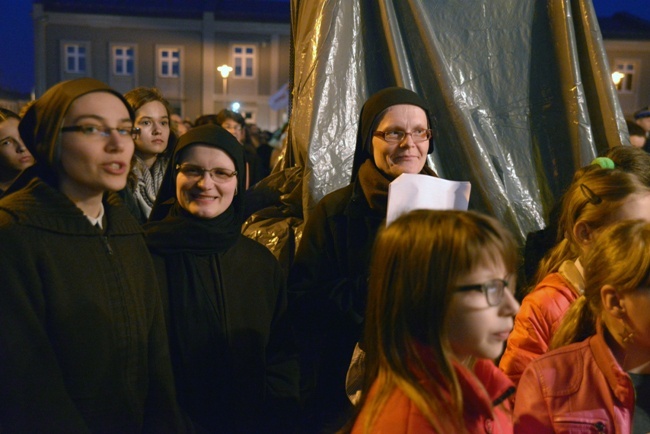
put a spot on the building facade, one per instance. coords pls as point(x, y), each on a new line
point(176, 47)
point(627, 43)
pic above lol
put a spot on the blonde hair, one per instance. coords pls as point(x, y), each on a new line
point(620, 257)
point(594, 196)
point(416, 263)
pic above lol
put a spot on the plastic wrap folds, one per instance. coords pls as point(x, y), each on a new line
point(520, 89)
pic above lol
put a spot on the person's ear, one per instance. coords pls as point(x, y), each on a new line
point(612, 301)
point(583, 233)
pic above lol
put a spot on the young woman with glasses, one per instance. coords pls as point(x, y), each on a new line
point(83, 345)
point(232, 352)
point(440, 307)
point(328, 281)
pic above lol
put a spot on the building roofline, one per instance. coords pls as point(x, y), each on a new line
point(624, 26)
point(222, 10)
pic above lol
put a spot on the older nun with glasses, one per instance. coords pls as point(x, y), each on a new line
point(225, 294)
point(328, 282)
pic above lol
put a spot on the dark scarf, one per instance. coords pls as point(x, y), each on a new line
point(191, 248)
point(180, 232)
point(374, 186)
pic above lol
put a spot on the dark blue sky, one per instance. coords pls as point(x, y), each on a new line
point(16, 46)
point(17, 38)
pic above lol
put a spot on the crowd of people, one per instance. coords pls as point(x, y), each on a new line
point(131, 302)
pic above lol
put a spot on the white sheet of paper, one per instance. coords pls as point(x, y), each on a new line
point(412, 191)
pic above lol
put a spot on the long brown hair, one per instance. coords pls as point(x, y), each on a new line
point(143, 95)
point(620, 257)
point(594, 196)
point(7, 114)
point(416, 263)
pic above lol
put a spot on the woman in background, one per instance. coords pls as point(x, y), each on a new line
point(152, 149)
point(14, 155)
point(440, 308)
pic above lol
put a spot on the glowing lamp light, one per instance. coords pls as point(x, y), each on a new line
point(617, 77)
point(224, 70)
point(235, 106)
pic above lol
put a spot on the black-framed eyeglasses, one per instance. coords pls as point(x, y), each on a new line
point(102, 131)
point(217, 174)
point(492, 289)
point(398, 136)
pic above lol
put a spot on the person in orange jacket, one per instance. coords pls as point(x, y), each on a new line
point(599, 195)
point(601, 356)
point(440, 307)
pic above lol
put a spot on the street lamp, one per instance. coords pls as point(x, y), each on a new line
point(225, 71)
point(617, 77)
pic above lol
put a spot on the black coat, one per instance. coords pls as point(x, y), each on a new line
point(83, 346)
point(328, 289)
point(234, 360)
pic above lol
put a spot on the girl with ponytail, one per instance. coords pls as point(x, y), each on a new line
point(597, 376)
point(600, 194)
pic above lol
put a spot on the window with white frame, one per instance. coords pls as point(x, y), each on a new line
point(75, 58)
point(123, 59)
point(629, 70)
point(244, 59)
point(169, 62)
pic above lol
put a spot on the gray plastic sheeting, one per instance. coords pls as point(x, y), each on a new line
point(521, 90)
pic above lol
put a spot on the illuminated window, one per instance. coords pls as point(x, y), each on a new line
point(75, 58)
point(123, 60)
point(244, 57)
point(629, 71)
point(169, 61)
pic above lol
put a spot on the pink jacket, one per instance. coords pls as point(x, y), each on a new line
point(577, 388)
point(400, 416)
point(539, 316)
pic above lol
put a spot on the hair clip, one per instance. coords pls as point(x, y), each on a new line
point(592, 197)
point(604, 162)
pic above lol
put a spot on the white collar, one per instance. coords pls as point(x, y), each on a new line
point(97, 221)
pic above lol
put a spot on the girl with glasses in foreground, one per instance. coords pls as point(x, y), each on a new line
point(440, 307)
point(600, 356)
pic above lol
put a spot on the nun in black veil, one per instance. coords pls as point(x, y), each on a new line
point(328, 281)
point(224, 294)
point(83, 346)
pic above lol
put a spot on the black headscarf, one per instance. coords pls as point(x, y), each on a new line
point(40, 128)
point(370, 117)
point(173, 229)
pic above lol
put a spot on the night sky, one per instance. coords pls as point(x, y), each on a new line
point(17, 39)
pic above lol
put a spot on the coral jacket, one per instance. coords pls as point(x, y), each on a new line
point(486, 407)
point(577, 388)
point(539, 316)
